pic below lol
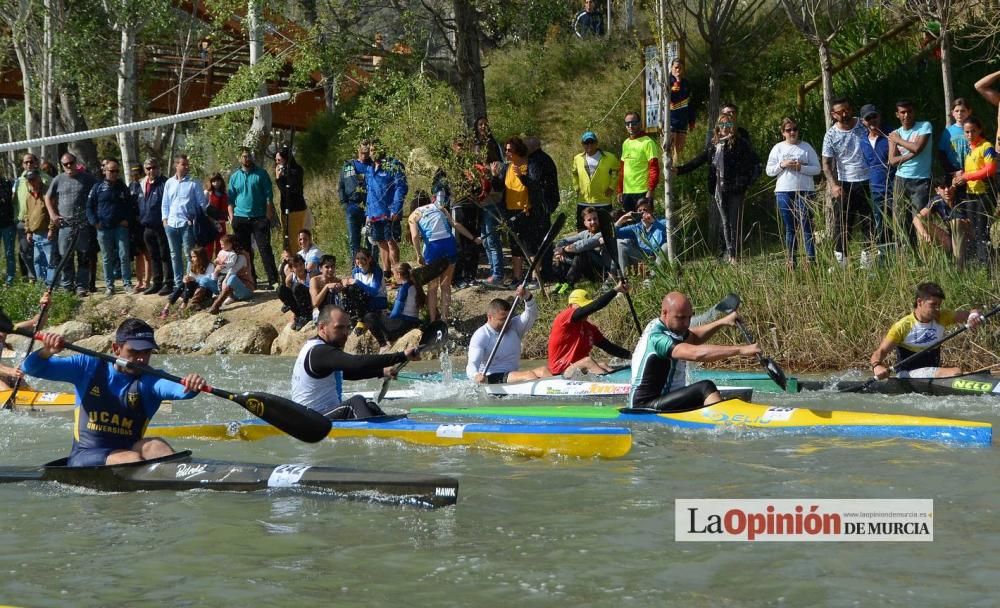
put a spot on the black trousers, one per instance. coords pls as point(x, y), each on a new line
point(691, 397)
point(26, 253)
point(386, 329)
point(583, 266)
point(468, 252)
point(355, 408)
point(297, 298)
point(155, 238)
point(257, 229)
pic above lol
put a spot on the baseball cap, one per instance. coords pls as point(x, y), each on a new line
point(868, 110)
point(578, 297)
point(137, 334)
point(588, 136)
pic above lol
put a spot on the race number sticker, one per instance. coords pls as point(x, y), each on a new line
point(777, 414)
point(453, 431)
point(48, 397)
point(285, 475)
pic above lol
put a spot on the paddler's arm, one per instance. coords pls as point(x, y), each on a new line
point(599, 302)
point(703, 333)
point(707, 353)
point(188, 388)
point(527, 318)
point(879, 369)
point(325, 359)
point(41, 364)
point(613, 349)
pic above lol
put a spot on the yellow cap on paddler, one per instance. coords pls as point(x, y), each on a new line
point(579, 297)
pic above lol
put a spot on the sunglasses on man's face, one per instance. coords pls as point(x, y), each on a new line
point(67, 164)
point(631, 123)
point(792, 130)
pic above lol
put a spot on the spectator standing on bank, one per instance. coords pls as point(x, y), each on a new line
point(289, 176)
point(733, 166)
point(218, 210)
point(794, 163)
point(183, 199)
point(639, 172)
point(353, 196)
point(385, 180)
point(251, 212)
point(880, 175)
point(487, 147)
point(37, 226)
point(29, 162)
point(681, 110)
point(910, 152)
point(8, 225)
point(589, 22)
point(974, 185)
point(153, 229)
point(140, 255)
point(847, 175)
point(66, 201)
point(542, 170)
point(465, 198)
point(953, 147)
point(595, 175)
point(513, 181)
point(109, 211)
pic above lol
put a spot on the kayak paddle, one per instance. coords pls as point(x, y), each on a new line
point(291, 417)
point(611, 248)
point(435, 336)
point(728, 304)
point(505, 225)
point(864, 387)
point(550, 236)
point(42, 315)
point(770, 366)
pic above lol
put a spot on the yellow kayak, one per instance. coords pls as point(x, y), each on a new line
point(40, 400)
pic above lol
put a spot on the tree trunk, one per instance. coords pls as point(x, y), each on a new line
point(181, 73)
point(826, 73)
point(52, 16)
point(665, 135)
point(946, 80)
point(127, 98)
point(468, 63)
point(73, 121)
point(28, 87)
point(714, 97)
point(260, 130)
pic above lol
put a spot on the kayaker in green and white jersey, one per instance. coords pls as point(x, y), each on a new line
point(659, 361)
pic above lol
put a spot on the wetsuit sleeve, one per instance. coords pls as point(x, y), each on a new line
point(61, 369)
point(695, 162)
point(325, 359)
point(168, 389)
point(400, 303)
point(613, 349)
point(600, 302)
point(661, 344)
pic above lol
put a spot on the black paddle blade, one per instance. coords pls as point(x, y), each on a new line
point(608, 234)
point(728, 304)
point(775, 373)
point(293, 418)
point(435, 336)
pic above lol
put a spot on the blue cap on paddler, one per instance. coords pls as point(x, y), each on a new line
point(137, 334)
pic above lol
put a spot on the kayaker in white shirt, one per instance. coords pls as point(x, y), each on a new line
point(507, 362)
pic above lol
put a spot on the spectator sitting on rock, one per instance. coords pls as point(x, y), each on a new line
point(198, 284)
point(326, 288)
point(405, 313)
point(237, 283)
point(294, 291)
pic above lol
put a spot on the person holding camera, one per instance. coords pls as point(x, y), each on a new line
point(640, 235)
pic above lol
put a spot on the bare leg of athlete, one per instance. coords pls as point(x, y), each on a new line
point(525, 375)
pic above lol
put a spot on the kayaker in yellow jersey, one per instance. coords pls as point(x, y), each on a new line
point(917, 330)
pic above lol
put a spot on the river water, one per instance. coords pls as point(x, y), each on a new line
point(539, 532)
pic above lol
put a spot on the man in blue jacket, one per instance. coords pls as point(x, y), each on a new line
point(640, 240)
point(353, 196)
point(150, 201)
point(109, 208)
point(385, 180)
point(880, 177)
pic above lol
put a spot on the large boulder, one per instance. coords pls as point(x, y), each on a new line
point(101, 344)
point(187, 335)
point(72, 331)
point(365, 344)
point(246, 336)
point(289, 342)
point(408, 340)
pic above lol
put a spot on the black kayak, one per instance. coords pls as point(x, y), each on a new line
point(180, 471)
point(968, 384)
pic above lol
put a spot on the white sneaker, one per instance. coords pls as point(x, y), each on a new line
point(866, 260)
point(841, 259)
point(228, 301)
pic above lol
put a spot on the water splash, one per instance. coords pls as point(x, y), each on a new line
point(446, 368)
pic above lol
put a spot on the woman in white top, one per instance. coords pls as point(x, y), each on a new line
point(794, 163)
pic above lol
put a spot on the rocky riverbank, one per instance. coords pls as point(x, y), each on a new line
point(256, 327)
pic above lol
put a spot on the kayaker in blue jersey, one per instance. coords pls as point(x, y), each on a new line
point(113, 403)
point(322, 366)
point(659, 361)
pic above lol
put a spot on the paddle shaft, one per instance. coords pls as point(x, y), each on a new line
point(611, 248)
point(42, 315)
point(438, 334)
point(549, 237)
point(749, 338)
point(524, 250)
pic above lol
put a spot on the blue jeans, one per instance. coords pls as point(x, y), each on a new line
point(76, 272)
point(43, 258)
point(355, 221)
point(882, 216)
point(115, 241)
point(793, 207)
point(9, 236)
point(492, 243)
point(181, 242)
